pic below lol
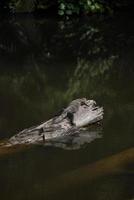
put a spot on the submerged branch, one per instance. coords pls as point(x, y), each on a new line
point(114, 164)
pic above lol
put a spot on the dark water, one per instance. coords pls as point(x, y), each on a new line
point(44, 64)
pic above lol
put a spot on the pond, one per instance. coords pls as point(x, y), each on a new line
point(44, 64)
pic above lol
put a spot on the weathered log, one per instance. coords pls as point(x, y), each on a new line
point(79, 113)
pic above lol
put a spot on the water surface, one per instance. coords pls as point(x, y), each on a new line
point(44, 64)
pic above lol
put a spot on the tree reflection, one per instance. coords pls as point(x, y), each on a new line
point(45, 64)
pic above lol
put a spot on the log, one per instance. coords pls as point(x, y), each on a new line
point(112, 165)
point(79, 113)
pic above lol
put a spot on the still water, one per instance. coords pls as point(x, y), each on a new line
point(46, 63)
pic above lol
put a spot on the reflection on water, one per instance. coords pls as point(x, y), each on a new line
point(75, 141)
point(44, 64)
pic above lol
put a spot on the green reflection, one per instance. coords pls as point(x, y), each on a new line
point(44, 64)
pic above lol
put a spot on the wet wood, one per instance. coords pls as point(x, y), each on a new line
point(115, 164)
point(79, 113)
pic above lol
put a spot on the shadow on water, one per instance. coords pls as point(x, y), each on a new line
point(44, 64)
